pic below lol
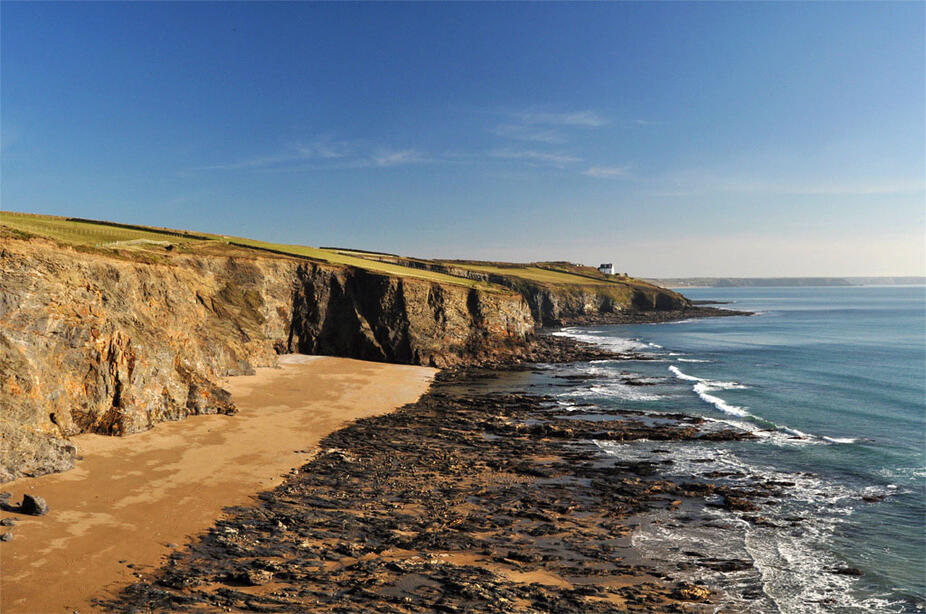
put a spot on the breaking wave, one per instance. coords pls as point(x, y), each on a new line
point(778, 433)
point(703, 388)
point(791, 562)
point(615, 344)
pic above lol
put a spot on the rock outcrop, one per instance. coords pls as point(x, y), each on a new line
point(351, 312)
point(93, 342)
point(557, 304)
point(113, 342)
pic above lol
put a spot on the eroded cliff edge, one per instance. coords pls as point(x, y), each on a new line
point(111, 344)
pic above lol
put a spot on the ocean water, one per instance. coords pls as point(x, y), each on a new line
point(833, 380)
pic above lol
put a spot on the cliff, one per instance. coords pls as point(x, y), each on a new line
point(111, 328)
point(114, 343)
point(557, 293)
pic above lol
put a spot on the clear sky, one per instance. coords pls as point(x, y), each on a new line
point(756, 139)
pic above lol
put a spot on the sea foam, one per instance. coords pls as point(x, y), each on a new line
point(791, 565)
point(615, 344)
point(703, 388)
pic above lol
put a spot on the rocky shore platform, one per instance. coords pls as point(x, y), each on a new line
point(697, 310)
point(129, 501)
point(464, 501)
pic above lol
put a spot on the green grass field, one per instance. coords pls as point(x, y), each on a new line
point(105, 235)
point(123, 238)
point(85, 233)
point(534, 273)
point(335, 256)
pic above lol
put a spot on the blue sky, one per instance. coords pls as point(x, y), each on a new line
point(673, 139)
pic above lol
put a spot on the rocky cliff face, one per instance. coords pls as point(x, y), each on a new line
point(553, 305)
point(350, 312)
point(98, 343)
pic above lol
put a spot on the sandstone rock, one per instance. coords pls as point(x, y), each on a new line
point(691, 592)
point(111, 344)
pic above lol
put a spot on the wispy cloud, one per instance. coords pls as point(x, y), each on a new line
point(532, 155)
point(607, 172)
point(327, 149)
point(551, 128)
point(253, 163)
point(586, 119)
point(327, 153)
point(522, 132)
point(546, 127)
point(386, 157)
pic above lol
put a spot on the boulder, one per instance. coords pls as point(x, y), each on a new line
point(33, 506)
point(691, 592)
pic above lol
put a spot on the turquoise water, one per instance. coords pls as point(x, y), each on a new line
point(834, 380)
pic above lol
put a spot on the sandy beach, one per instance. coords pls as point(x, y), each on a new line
point(129, 501)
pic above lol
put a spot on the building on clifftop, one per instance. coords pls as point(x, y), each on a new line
point(607, 269)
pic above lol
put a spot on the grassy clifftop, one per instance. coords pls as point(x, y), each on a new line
point(555, 290)
point(152, 243)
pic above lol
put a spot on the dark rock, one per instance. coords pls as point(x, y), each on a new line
point(428, 482)
point(739, 504)
point(33, 506)
point(849, 571)
point(728, 565)
point(5, 537)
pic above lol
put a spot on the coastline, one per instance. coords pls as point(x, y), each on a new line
point(468, 499)
point(74, 533)
point(654, 317)
point(132, 500)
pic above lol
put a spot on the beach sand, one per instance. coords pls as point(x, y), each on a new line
point(131, 500)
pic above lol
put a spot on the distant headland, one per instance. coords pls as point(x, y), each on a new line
point(769, 282)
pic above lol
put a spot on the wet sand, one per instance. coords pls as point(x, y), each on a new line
point(132, 500)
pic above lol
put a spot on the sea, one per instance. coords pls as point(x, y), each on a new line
point(833, 382)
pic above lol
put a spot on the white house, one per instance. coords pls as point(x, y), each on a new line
point(607, 269)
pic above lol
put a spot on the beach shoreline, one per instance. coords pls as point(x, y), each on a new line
point(120, 497)
point(132, 500)
point(464, 500)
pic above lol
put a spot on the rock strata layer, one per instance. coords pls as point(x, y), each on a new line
point(106, 344)
point(115, 342)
